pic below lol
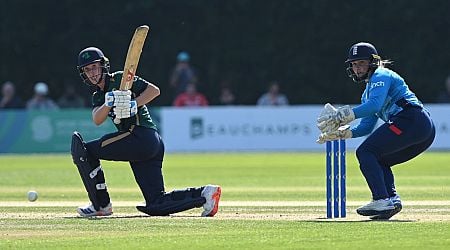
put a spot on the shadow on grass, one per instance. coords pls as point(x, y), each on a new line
point(106, 217)
point(112, 217)
point(343, 220)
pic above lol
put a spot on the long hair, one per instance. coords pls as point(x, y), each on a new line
point(385, 63)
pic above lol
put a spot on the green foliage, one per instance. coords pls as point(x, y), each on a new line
point(303, 44)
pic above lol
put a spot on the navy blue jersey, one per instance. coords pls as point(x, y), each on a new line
point(384, 88)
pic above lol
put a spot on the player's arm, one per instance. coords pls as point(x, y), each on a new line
point(150, 93)
point(372, 106)
point(116, 99)
point(365, 126)
point(100, 113)
point(100, 108)
point(377, 96)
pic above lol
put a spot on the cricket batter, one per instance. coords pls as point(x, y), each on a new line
point(136, 141)
point(408, 129)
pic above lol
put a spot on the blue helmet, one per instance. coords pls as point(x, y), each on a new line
point(362, 51)
point(91, 55)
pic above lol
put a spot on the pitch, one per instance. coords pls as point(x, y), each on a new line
point(269, 200)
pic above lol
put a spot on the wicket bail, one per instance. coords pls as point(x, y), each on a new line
point(338, 189)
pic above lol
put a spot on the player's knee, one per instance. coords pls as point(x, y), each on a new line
point(171, 206)
point(78, 148)
point(366, 152)
point(359, 152)
point(363, 151)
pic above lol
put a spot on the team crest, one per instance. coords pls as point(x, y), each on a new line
point(86, 55)
point(355, 50)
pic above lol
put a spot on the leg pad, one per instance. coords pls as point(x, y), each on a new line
point(93, 178)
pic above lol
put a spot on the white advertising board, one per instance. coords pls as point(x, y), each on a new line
point(240, 128)
point(244, 128)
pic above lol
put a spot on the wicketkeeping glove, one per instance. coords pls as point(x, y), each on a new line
point(126, 112)
point(331, 118)
point(342, 132)
point(117, 98)
point(327, 112)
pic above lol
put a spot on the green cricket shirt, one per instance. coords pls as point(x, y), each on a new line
point(112, 82)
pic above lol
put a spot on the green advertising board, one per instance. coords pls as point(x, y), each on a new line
point(40, 132)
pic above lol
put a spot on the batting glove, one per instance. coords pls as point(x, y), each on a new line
point(342, 132)
point(117, 98)
point(126, 112)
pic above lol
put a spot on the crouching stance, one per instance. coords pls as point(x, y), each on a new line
point(408, 129)
point(136, 141)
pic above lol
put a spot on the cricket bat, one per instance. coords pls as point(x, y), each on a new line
point(133, 55)
point(132, 59)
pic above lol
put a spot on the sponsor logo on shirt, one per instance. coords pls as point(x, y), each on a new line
point(376, 84)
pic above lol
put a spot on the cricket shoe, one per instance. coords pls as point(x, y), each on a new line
point(212, 195)
point(376, 207)
point(89, 210)
point(397, 208)
point(397, 201)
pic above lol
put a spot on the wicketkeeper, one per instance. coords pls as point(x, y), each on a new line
point(408, 129)
point(136, 141)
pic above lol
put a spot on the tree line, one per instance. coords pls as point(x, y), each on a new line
point(300, 44)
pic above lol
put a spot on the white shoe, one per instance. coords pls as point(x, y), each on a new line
point(376, 207)
point(396, 201)
point(89, 210)
point(212, 196)
point(397, 208)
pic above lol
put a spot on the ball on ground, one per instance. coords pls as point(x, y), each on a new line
point(32, 195)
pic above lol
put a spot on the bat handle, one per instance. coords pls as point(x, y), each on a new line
point(116, 121)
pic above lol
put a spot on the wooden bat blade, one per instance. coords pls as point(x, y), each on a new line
point(133, 55)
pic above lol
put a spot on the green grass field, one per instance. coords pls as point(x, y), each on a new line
point(269, 201)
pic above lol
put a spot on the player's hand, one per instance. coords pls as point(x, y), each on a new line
point(126, 111)
point(331, 118)
point(342, 132)
point(117, 98)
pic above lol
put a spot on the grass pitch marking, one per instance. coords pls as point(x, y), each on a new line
point(222, 203)
point(413, 211)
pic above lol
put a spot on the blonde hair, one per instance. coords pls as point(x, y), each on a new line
point(384, 63)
